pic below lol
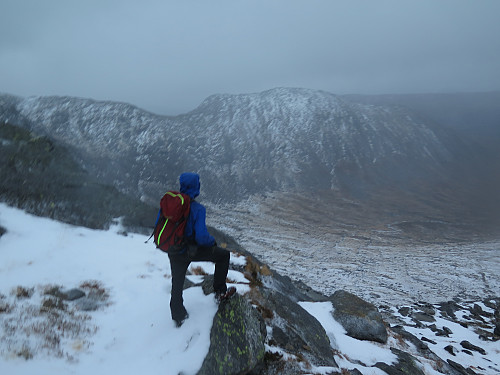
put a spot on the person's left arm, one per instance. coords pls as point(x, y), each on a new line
point(202, 237)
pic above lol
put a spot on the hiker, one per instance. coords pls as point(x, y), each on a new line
point(201, 247)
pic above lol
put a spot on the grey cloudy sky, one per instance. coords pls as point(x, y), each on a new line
point(167, 56)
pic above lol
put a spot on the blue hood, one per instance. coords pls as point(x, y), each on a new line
point(190, 184)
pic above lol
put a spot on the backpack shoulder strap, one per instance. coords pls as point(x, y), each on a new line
point(156, 225)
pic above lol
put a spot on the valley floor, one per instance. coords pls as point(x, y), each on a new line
point(376, 264)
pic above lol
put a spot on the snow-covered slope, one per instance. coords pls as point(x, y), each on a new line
point(131, 333)
point(282, 139)
point(129, 330)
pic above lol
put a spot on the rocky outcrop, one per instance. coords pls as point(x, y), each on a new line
point(268, 314)
point(360, 319)
point(236, 339)
point(296, 343)
point(241, 327)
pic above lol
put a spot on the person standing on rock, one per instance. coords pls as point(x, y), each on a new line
point(201, 247)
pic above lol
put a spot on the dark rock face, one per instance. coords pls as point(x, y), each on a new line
point(236, 340)
point(42, 178)
point(459, 369)
point(405, 365)
point(360, 319)
point(269, 314)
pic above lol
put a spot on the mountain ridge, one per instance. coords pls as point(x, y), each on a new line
point(292, 130)
point(283, 139)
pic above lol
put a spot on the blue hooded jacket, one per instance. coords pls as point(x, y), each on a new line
point(196, 227)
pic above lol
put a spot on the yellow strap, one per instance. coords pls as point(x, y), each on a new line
point(162, 229)
point(176, 195)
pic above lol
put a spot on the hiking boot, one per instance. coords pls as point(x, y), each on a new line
point(219, 297)
point(179, 322)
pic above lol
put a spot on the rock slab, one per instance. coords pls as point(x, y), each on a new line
point(236, 339)
point(360, 319)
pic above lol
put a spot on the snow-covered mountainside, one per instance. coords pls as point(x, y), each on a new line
point(277, 140)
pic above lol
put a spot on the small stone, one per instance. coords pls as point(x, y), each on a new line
point(427, 308)
point(467, 345)
point(86, 304)
point(447, 330)
point(433, 328)
point(73, 294)
point(423, 317)
point(450, 349)
point(405, 311)
point(450, 308)
point(428, 340)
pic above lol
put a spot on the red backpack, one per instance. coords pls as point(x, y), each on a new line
point(171, 222)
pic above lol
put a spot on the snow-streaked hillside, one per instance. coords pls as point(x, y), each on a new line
point(282, 139)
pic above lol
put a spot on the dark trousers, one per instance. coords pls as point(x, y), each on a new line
point(179, 264)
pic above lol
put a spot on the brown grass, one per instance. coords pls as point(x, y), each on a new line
point(198, 271)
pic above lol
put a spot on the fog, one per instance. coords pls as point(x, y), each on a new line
point(167, 56)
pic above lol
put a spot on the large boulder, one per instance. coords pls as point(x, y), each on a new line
point(297, 331)
point(360, 319)
point(236, 339)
